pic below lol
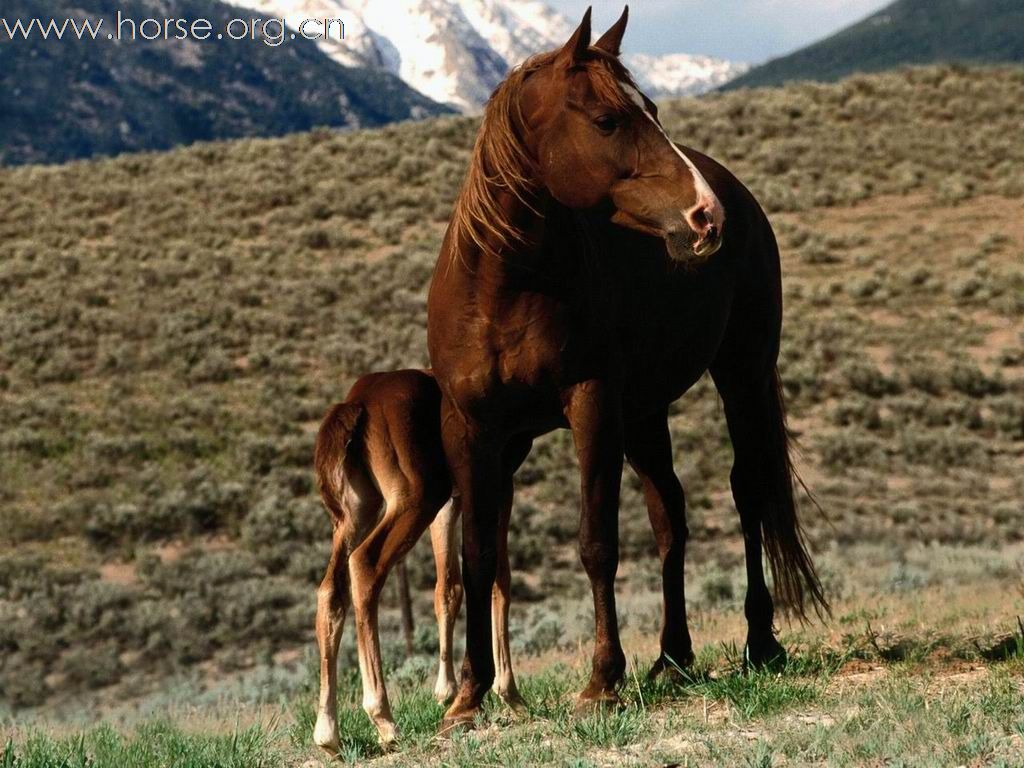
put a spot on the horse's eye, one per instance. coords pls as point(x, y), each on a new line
point(606, 123)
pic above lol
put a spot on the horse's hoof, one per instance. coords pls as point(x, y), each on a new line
point(672, 668)
point(453, 724)
point(596, 703)
point(325, 735)
point(515, 702)
point(766, 654)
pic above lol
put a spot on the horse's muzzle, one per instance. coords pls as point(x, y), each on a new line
point(707, 221)
point(685, 245)
point(709, 243)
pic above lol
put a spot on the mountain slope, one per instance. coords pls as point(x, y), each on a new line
point(906, 32)
point(173, 326)
point(457, 51)
point(68, 99)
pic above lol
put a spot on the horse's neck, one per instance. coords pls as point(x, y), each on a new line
point(551, 247)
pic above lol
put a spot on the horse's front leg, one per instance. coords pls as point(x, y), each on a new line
point(481, 483)
point(593, 410)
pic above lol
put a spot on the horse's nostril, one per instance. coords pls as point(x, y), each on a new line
point(702, 221)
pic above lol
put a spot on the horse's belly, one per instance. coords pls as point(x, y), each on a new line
point(671, 339)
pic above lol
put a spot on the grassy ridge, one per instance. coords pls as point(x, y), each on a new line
point(903, 33)
point(174, 326)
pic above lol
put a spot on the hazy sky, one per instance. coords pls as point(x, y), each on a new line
point(744, 30)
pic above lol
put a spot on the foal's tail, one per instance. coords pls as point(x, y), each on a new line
point(793, 572)
point(337, 431)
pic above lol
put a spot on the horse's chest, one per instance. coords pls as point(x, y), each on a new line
point(529, 345)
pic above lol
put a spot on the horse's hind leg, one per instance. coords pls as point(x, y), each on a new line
point(447, 595)
point(649, 451)
point(746, 413)
point(762, 486)
point(407, 516)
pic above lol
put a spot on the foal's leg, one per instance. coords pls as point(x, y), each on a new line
point(447, 594)
point(448, 600)
point(333, 601)
point(407, 517)
point(593, 410)
point(505, 682)
point(649, 450)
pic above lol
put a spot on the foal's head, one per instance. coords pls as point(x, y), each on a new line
point(594, 138)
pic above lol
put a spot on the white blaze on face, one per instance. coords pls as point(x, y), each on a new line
point(706, 196)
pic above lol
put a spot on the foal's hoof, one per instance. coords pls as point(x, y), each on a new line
point(387, 736)
point(767, 654)
point(325, 735)
point(444, 692)
point(672, 668)
point(596, 703)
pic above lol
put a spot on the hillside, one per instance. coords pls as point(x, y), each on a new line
point(174, 326)
point(68, 99)
point(906, 32)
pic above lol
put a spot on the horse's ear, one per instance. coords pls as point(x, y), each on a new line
point(575, 50)
point(611, 41)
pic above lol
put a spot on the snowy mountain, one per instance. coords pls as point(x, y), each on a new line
point(75, 99)
point(457, 51)
point(680, 74)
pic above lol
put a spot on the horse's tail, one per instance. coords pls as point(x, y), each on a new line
point(795, 577)
point(337, 432)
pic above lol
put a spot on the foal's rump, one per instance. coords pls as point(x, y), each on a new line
point(383, 441)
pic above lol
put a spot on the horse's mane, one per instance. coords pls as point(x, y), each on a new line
point(502, 163)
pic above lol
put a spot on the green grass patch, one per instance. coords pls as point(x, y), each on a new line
point(606, 728)
point(548, 695)
point(155, 745)
point(760, 693)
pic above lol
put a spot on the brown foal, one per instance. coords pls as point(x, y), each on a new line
point(382, 475)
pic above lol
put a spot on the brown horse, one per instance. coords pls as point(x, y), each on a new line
point(383, 479)
point(593, 271)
